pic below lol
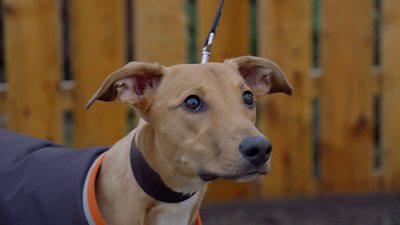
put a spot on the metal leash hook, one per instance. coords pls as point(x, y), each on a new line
point(206, 50)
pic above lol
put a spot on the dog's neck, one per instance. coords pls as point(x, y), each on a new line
point(122, 200)
point(150, 181)
point(179, 181)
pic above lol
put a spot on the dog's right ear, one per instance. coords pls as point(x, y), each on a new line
point(261, 75)
point(134, 84)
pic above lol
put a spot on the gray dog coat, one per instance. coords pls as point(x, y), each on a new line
point(42, 183)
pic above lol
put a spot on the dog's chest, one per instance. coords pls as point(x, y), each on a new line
point(176, 214)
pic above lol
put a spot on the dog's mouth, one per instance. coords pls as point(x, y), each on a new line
point(208, 176)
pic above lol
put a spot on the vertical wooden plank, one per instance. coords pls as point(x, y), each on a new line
point(3, 100)
point(160, 31)
point(285, 37)
point(391, 94)
point(33, 66)
point(346, 98)
point(232, 40)
point(97, 42)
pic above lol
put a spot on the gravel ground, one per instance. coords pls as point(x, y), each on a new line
point(343, 210)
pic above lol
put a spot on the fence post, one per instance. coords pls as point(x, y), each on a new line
point(33, 66)
point(346, 96)
point(285, 37)
point(391, 94)
point(160, 31)
point(97, 49)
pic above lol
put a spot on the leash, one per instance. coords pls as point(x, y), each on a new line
point(147, 178)
point(206, 50)
point(205, 55)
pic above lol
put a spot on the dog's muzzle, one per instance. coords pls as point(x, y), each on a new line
point(256, 150)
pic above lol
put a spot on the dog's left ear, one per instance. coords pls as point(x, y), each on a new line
point(261, 75)
point(134, 84)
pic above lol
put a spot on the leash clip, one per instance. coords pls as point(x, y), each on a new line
point(206, 50)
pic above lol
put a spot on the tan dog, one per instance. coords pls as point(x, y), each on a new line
point(197, 124)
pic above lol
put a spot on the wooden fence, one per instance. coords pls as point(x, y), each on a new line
point(338, 134)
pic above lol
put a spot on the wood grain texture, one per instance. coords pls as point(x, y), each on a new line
point(346, 97)
point(284, 37)
point(160, 31)
point(391, 94)
point(97, 49)
point(33, 67)
point(3, 98)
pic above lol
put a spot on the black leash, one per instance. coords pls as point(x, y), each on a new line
point(148, 179)
point(206, 50)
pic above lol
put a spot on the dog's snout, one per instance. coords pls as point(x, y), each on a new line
point(256, 149)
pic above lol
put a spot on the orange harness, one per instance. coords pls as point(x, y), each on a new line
point(198, 219)
point(92, 211)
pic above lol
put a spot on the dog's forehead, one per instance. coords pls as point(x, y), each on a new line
point(213, 82)
point(199, 72)
point(204, 79)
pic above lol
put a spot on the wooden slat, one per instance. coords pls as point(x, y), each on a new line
point(160, 31)
point(391, 94)
point(3, 97)
point(97, 42)
point(375, 81)
point(233, 36)
point(33, 60)
point(66, 100)
point(346, 97)
point(316, 85)
point(285, 38)
point(3, 106)
point(232, 40)
point(67, 95)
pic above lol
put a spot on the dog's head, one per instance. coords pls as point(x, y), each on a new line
point(202, 115)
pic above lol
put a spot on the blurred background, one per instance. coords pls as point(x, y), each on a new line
point(338, 135)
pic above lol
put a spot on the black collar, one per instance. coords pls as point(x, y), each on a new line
point(150, 181)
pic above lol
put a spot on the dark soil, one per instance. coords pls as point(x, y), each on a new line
point(344, 210)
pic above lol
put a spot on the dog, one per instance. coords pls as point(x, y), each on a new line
point(197, 124)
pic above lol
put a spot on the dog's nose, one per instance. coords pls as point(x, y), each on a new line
point(256, 149)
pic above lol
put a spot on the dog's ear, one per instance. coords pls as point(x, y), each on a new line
point(261, 75)
point(134, 84)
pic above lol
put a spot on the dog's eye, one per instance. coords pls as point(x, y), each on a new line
point(248, 99)
point(193, 104)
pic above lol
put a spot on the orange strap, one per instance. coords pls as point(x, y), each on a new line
point(198, 219)
point(92, 202)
